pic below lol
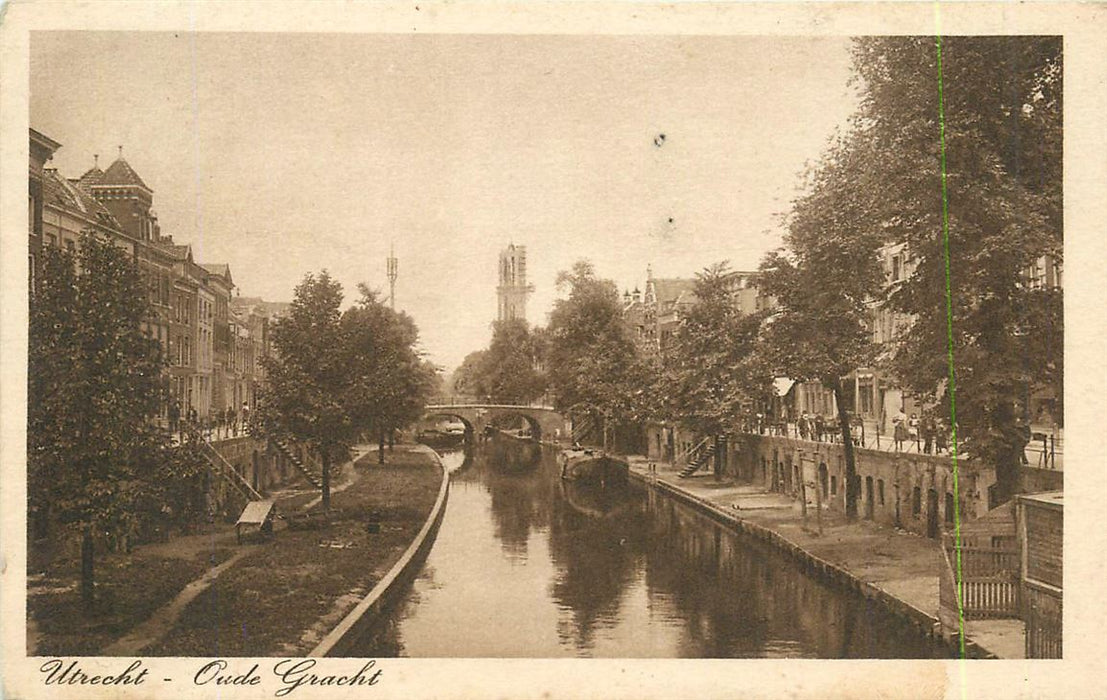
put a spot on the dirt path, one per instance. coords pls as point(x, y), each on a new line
point(155, 627)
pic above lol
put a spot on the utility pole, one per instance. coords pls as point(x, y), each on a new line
point(393, 273)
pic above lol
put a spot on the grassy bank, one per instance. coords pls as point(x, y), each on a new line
point(129, 588)
point(282, 598)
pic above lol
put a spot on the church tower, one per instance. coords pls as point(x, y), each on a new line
point(513, 288)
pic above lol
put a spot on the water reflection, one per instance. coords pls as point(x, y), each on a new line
point(525, 565)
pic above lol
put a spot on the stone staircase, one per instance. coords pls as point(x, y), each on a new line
point(229, 473)
point(583, 431)
point(701, 458)
point(314, 477)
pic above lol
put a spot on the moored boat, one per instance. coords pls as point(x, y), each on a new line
point(440, 438)
point(591, 466)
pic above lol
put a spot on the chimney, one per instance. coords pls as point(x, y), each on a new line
point(637, 296)
point(96, 161)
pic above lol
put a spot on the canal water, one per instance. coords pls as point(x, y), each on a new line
point(526, 565)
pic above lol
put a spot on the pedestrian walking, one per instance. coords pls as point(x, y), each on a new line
point(820, 426)
point(913, 429)
point(232, 419)
point(244, 416)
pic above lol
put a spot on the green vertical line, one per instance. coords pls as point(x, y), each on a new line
point(952, 389)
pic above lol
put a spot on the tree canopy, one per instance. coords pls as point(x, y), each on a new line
point(593, 365)
point(334, 376)
point(706, 375)
point(95, 386)
point(1000, 119)
point(510, 370)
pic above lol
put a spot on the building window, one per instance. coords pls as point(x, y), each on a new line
point(880, 491)
point(865, 395)
point(833, 485)
point(31, 273)
point(916, 501)
point(949, 508)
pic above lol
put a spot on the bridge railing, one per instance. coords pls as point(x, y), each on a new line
point(443, 401)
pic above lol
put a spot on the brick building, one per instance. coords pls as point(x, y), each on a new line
point(213, 358)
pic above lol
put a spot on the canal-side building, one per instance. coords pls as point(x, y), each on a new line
point(41, 150)
point(210, 366)
point(654, 317)
point(221, 286)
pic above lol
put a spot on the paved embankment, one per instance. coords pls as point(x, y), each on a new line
point(896, 568)
point(342, 638)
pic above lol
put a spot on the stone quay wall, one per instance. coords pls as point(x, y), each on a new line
point(911, 491)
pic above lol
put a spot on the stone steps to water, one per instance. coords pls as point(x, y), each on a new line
point(700, 460)
point(314, 478)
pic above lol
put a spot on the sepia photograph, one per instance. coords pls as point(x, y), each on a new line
point(387, 345)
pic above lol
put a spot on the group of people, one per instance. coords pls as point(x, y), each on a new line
point(816, 427)
point(929, 433)
point(219, 424)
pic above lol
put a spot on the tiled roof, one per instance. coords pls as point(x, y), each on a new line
point(92, 177)
point(59, 192)
point(177, 252)
point(121, 174)
point(674, 290)
point(219, 270)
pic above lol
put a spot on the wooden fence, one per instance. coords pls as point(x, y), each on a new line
point(1042, 611)
point(988, 579)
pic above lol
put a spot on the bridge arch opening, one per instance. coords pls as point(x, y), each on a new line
point(501, 418)
point(436, 416)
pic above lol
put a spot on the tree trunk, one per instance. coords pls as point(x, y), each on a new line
point(847, 444)
point(326, 479)
point(380, 445)
point(1007, 475)
point(87, 596)
point(719, 456)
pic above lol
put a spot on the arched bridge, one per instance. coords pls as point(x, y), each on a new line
point(544, 421)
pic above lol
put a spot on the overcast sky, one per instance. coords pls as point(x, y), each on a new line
point(282, 154)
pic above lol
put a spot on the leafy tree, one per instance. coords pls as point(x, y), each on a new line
point(1001, 120)
point(707, 375)
point(95, 386)
point(593, 365)
point(308, 376)
point(509, 371)
point(390, 381)
point(823, 286)
point(468, 378)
